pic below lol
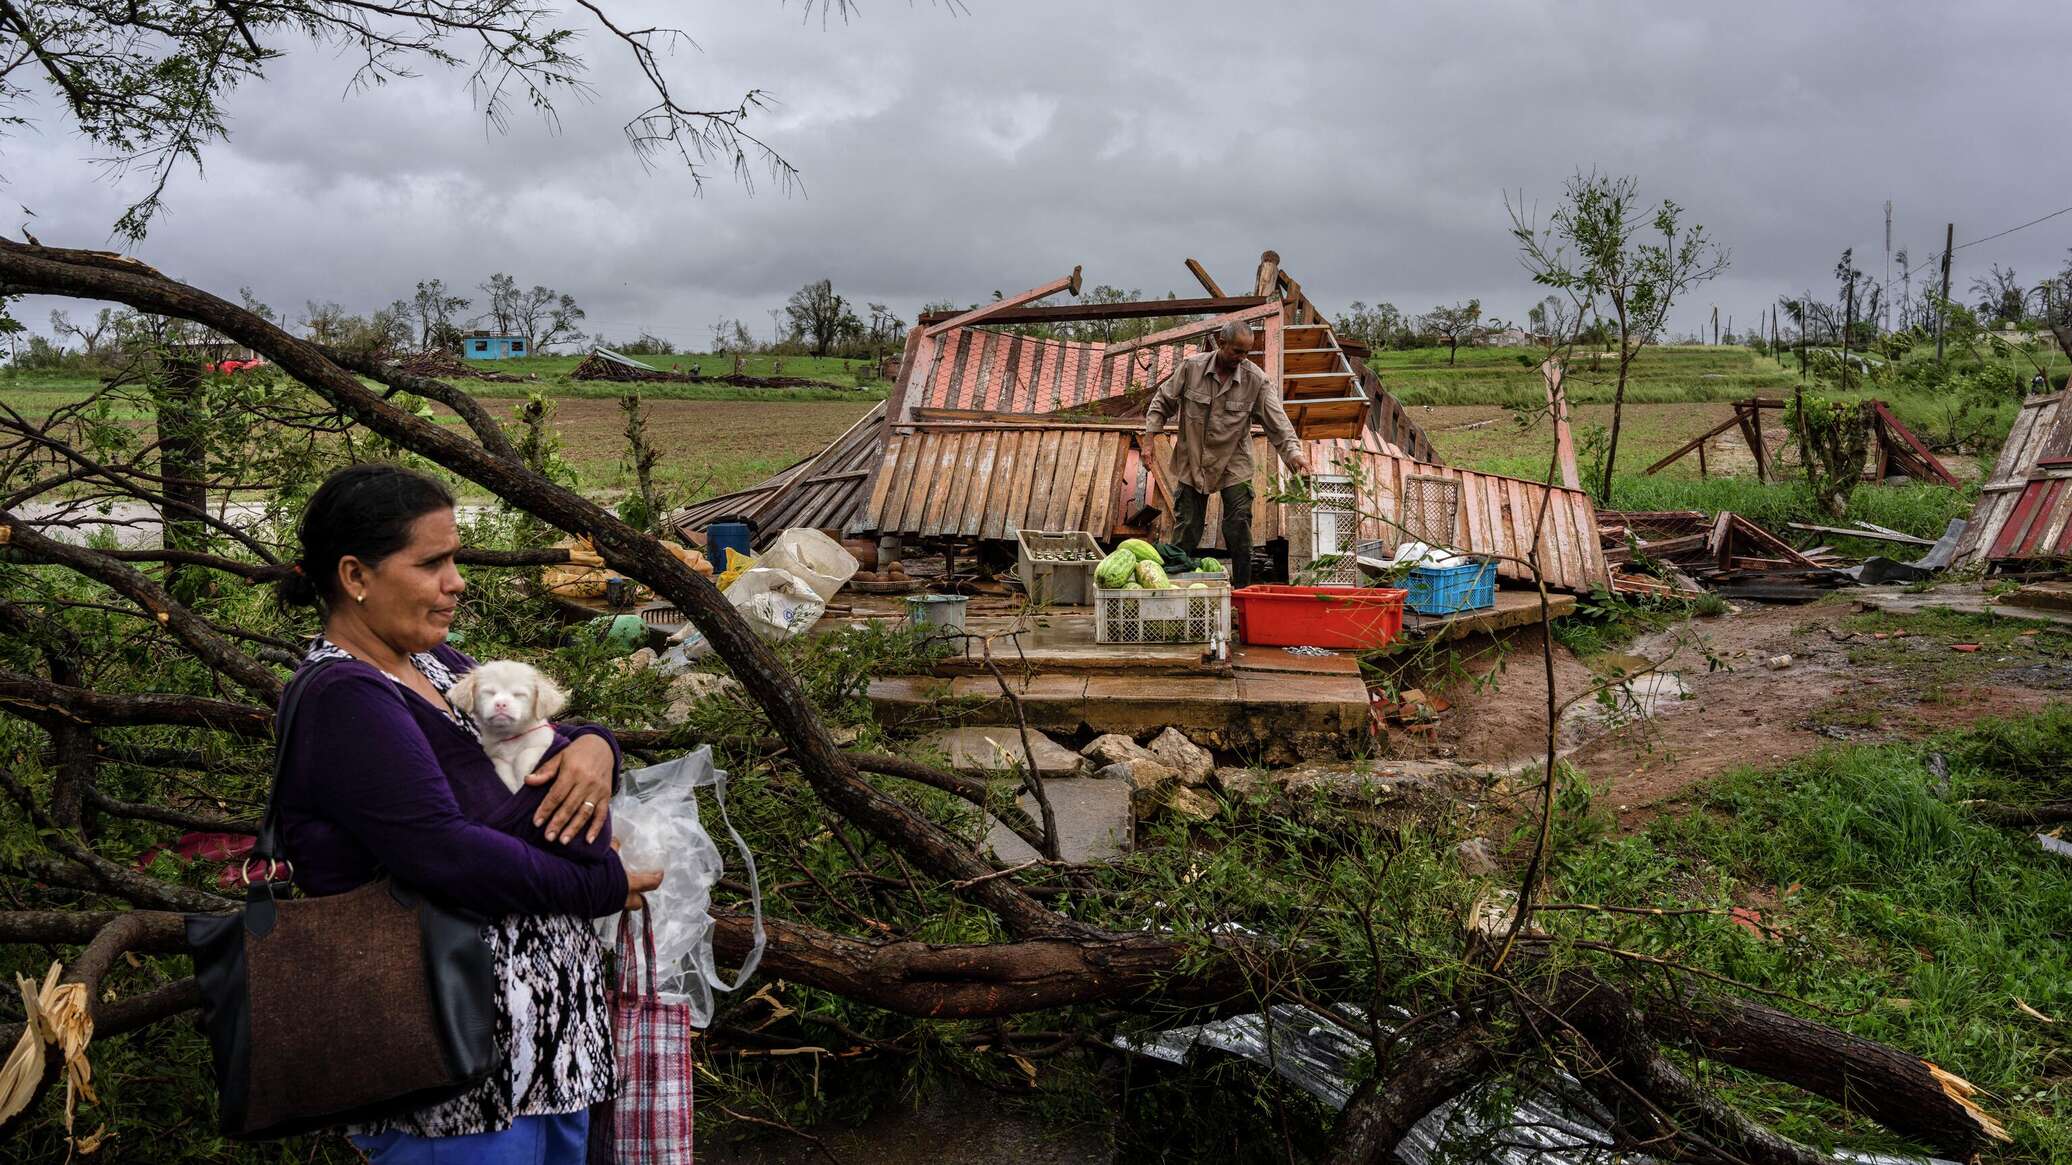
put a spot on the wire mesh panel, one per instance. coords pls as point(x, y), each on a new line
point(1431, 509)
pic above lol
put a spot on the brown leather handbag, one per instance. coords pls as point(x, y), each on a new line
point(340, 1009)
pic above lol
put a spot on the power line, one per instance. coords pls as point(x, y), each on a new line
point(1937, 257)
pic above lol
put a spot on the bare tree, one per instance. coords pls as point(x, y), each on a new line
point(546, 317)
point(500, 297)
point(1453, 326)
point(2001, 297)
point(1597, 251)
point(434, 308)
point(90, 336)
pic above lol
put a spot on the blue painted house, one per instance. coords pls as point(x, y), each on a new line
point(485, 346)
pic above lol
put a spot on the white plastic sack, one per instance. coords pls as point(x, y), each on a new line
point(1415, 553)
point(655, 821)
point(814, 557)
point(777, 603)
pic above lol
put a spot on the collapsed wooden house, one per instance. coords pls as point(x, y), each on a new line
point(995, 424)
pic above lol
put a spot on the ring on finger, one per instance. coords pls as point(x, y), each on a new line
point(589, 806)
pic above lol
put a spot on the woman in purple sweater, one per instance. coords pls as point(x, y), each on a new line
point(382, 775)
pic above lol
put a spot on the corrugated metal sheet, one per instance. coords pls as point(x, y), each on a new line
point(972, 368)
point(823, 492)
point(991, 481)
point(2036, 438)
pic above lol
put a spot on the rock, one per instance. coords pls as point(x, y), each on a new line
point(983, 749)
point(1115, 748)
point(1183, 756)
point(639, 661)
point(1096, 823)
point(1475, 859)
point(1242, 783)
point(691, 688)
point(1149, 781)
point(1192, 804)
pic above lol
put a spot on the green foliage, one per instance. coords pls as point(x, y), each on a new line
point(1893, 908)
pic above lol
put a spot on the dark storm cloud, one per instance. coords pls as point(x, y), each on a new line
point(948, 155)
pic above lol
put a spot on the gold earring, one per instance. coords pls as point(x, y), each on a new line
point(361, 597)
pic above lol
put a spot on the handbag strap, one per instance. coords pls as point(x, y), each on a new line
point(629, 980)
point(267, 847)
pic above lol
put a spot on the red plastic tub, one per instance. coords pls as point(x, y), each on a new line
point(1277, 616)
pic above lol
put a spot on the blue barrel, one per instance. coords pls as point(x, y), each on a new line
point(720, 537)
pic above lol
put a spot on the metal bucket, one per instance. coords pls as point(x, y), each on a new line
point(937, 614)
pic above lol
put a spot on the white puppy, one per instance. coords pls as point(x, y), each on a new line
point(511, 703)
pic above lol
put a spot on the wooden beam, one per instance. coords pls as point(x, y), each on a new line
point(1697, 442)
point(1197, 328)
point(1908, 440)
point(1132, 310)
point(1564, 441)
point(1869, 535)
point(1201, 273)
point(991, 310)
point(1269, 274)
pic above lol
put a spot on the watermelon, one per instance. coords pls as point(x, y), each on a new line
point(1116, 570)
point(1144, 551)
point(1152, 577)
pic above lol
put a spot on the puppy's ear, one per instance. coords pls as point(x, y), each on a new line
point(547, 697)
point(462, 694)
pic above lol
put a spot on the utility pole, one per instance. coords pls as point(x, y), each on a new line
point(1942, 309)
point(1848, 326)
point(1885, 297)
point(1715, 325)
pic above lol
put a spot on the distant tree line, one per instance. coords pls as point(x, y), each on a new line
point(433, 318)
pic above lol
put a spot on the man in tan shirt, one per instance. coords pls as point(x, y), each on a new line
point(1216, 397)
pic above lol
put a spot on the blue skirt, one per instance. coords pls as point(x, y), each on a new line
point(531, 1140)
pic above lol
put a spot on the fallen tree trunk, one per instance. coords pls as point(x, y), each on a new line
point(2023, 816)
point(1386, 1108)
point(1900, 1091)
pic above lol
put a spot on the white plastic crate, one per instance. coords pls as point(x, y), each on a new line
point(1057, 583)
point(1178, 615)
point(1321, 534)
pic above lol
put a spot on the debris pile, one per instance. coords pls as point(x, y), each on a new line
point(439, 364)
point(605, 364)
point(1684, 553)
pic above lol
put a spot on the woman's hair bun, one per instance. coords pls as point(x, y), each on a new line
point(295, 589)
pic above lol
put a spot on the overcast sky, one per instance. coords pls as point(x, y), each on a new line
point(948, 154)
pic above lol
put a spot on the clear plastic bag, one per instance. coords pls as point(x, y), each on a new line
point(655, 821)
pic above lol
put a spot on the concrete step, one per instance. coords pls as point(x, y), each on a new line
point(1238, 711)
point(1095, 823)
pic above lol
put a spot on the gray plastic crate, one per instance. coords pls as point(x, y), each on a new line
point(1057, 583)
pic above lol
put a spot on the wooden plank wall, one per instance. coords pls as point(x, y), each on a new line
point(2027, 444)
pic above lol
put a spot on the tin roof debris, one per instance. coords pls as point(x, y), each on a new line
point(605, 364)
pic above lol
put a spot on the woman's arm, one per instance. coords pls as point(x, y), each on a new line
point(369, 768)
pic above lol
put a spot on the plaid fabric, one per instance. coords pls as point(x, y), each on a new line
point(651, 1117)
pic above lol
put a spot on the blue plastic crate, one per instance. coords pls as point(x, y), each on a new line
point(1444, 590)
